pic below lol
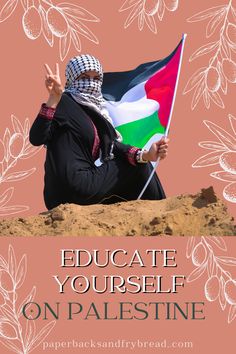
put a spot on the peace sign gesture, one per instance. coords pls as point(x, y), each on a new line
point(53, 85)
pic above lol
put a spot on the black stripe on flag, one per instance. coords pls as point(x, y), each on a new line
point(116, 84)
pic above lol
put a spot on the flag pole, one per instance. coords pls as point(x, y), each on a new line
point(170, 117)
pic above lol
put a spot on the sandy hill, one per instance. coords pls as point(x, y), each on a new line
point(184, 215)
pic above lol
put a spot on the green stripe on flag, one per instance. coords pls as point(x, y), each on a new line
point(138, 132)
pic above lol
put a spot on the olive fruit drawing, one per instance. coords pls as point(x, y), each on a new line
point(219, 283)
point(64, 21)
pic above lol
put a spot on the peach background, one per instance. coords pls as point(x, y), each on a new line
point(22, 88)
point(212, 335)
point(22, 91)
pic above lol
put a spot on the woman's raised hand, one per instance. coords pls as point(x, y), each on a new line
point(53, 85)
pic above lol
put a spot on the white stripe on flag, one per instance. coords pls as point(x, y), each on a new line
point(126, 112)
point(134, 105)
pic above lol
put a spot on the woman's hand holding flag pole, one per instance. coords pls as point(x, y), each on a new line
point(169, 120)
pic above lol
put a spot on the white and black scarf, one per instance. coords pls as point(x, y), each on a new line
point(87, 91)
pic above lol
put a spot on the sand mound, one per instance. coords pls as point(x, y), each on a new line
point(184, 215)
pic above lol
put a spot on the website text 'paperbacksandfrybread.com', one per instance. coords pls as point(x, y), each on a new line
point(137, 344)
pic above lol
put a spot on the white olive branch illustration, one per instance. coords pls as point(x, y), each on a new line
point(208, 81)
point(220, 42)
point(223, 154)
point(19, 338)
point(216, 259)
point(220, 284)
point(145, 10)
point(14, 146)
point(64, 21)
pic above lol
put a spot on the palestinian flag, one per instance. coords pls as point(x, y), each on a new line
point(139, 101)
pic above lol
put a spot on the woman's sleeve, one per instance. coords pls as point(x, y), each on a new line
point(127, 151)
point(41, 130)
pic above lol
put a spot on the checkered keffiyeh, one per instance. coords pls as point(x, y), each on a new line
point(86, 90)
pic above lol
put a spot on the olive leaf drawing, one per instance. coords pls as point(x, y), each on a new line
point(65, 21)
point(14, 146)
point(18, 334)
point(223, 154)
point(146, 11)
point(210, 82)
point(220, 285)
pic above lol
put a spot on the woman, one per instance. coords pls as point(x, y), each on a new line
point(76, 129)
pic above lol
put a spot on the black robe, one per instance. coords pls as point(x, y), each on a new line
point(70, 173)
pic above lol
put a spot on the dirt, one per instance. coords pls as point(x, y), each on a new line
point(184, 215)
